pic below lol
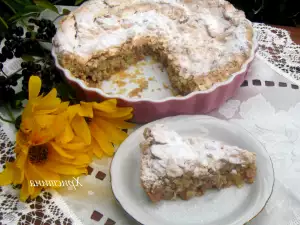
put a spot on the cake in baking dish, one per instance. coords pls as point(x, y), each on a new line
point(173, 166)
point(200, 42)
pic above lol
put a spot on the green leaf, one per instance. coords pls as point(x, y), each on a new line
point(78, 2)
point(16, 104)
point(32, 8)
point(19, 16)
point(27, 58)
point(23, 2)
point(18, 122)
point(9, 6)
point(26, 11)
point(65, 91)
point(30, 28)
point(66, 11)
point(46, 5)
point(3, 22)
point(21, 96)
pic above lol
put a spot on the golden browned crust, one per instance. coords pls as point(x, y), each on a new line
point(104, 64)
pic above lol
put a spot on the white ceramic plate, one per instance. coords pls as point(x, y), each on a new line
point(231, 206)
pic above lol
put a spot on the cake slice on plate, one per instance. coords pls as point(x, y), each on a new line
point(173, 166)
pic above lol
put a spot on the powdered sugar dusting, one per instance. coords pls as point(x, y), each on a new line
point(201, 35)
point(172, 155)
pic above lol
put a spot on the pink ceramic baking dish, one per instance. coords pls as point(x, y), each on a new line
point(147, 110)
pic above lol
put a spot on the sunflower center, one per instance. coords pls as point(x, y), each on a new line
point(38, 154)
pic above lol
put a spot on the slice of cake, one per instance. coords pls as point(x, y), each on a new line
point(173, 166)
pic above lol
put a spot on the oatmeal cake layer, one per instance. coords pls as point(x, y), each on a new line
point(173, 166)
point(201, 42)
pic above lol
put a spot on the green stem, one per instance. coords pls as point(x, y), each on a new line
point(60, 15)
point(36, 61)
point(4, 73)
point(24, 24)
point(10, 113)
point(3, 22)
point(9, 6)
point(56, 2)
point(5, 120)
point(37, 40)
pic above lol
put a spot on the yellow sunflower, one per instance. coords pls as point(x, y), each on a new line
point(45, 149)
point(100, 125)
point(42, 111)
point(43, 163)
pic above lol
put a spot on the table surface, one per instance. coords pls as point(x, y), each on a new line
point(294, 32)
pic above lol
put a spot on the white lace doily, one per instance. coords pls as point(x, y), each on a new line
point(279, 51)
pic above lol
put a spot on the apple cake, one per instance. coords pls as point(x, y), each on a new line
point(200, 42)
point(174, 166)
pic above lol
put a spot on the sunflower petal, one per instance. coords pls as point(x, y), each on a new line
point(45, 174)
point(7, 175)
point(62, 107)
point(50, 101)
point(59, 109)
point(127, 117)
point(75, 146)
point(115, 134)
point(86, 109)
point(44, 121)
point(80, 159)
point(120, 112)
point(18, 176)
point(66, 136)
point(106, 106)
point(120, 123)
point(24, 193)
point(26, 125)
point(28, 110)
point(30, 177)
point(102, 139)
point(61, 151)
point(34, 88)
point(21, 142)
point(96, 149)
point(73, 110)
point(45, 111)
point(65, 169)
point(81, 129)
point(31, 174)
point(40, 136)
point(37, 191)
point(21, 159)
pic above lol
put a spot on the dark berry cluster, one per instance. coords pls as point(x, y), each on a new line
point(17, 43)
point(46, 29)
point(7, 93)
point(47, 72)
point(13, 44)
